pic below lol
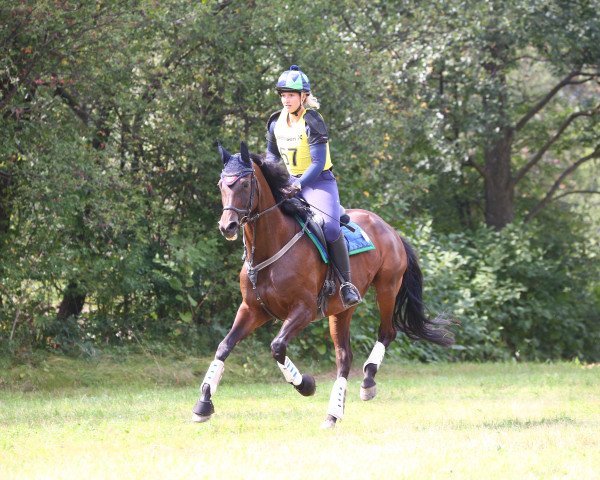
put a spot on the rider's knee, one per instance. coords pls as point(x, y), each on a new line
point(331, 230)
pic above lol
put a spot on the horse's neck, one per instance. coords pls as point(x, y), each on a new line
point(272, 230)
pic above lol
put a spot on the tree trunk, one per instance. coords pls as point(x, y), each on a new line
point(5, 181)
point(72, 302)
point(499, 185)
point(4, 217)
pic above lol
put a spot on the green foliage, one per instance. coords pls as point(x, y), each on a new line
point(513, 292)
point(108, 203)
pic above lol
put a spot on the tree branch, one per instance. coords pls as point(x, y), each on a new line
point(584, 80)
point(222, 5)
point(542, 103)
point(72, 103)
point(471, 163)
point(549, 196)
point(14, 88)
point(537, 157)
point(572, 192)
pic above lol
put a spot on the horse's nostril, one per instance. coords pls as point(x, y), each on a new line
point(229, 230)
point(232, 226)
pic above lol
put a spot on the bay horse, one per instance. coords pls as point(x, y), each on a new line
point(283, 274)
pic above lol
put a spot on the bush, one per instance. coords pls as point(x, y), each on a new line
point(515, 292)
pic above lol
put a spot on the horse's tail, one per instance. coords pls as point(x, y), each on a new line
point(409, 310)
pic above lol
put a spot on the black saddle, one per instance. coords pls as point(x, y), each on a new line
point(311, 217)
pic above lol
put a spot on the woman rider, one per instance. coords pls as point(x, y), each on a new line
point(297, 135)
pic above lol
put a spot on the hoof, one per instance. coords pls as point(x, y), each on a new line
point(367, 394)
point(203, 409)
point(328, 424)
point(308, 386)
point(199, 418)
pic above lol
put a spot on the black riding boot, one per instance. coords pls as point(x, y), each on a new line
point(339, 257)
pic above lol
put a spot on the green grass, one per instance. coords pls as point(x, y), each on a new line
point(112, 418)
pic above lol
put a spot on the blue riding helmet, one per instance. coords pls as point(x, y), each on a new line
point(293, 80)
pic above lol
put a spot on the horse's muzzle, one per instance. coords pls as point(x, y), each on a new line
point(230, 232)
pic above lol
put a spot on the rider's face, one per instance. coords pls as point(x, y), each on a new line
point(291, 100)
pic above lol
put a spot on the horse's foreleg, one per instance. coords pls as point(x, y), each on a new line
point(339, 328)
point(246, 321)
point(204, 407)
point(304, 383)
point(387, 333)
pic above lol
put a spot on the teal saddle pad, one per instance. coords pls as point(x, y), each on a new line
point(357, 241)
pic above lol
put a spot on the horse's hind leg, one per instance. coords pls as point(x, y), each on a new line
point(246, 321)
point(386, 299)
point(339, 328)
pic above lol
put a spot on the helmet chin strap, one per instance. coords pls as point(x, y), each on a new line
point(295, 113)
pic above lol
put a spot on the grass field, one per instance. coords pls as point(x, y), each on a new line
point(130, 418)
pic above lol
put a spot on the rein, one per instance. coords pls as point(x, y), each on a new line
point(253, 271)
point(247, 219)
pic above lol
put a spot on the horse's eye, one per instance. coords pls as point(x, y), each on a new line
point(246, 185)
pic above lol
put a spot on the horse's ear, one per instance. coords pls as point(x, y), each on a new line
point(245, 152)
point(225, 155)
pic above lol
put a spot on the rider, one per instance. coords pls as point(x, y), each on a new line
point(298, 135)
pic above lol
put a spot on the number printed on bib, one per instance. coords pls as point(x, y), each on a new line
point(286, 154)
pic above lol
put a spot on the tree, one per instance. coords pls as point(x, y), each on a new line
point(109, 112)
point(522, 126)
point(509, 89)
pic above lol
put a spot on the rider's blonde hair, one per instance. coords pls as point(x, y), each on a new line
point(311, 102)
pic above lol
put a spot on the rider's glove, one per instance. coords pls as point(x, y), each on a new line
point(293, 188)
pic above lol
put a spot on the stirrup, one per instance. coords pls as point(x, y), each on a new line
point(351, 289)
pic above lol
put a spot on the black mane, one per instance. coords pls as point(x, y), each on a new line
point(277, 176)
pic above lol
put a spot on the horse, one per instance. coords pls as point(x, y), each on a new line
point(283, 274)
